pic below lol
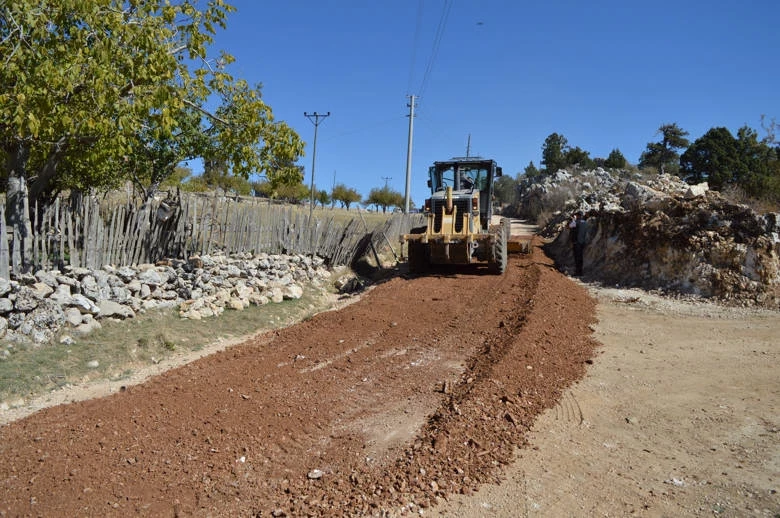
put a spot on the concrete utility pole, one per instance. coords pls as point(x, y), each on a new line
point(409, 154)
point(315, 118)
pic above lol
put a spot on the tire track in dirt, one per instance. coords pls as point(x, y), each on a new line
point(421, 389)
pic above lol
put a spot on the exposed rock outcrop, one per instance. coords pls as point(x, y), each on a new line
point(661, 233)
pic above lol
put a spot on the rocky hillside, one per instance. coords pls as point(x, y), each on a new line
point(661, 233)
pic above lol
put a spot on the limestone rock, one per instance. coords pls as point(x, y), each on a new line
point(111, 309)
point(83, 304)
point(26, 299)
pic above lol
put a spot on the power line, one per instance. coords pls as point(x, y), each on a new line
point(436, 43)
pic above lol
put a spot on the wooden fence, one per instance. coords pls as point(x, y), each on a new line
point(90, 232)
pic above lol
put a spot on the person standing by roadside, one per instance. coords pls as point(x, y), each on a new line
point(578, 230)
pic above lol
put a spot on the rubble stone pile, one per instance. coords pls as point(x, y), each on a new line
point(661, 233)
point(38, 307)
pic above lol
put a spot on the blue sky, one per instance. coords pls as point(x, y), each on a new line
point(605, 74)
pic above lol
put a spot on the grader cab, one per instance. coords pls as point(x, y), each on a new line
point(458, 216)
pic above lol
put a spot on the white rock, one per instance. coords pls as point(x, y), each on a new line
point(276, 295)
point(694, 191)
point(83, 304)
point(292, 292)
point(87, 327)
point(62, 295)
point(6, 306)
point(109, 308)
point(73, 316)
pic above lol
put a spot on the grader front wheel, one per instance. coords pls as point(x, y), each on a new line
point(500, 251)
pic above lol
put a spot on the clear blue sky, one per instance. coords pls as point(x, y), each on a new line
point(605, 74)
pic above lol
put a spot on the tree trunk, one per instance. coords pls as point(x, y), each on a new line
point(17, 197)
point(41, 188)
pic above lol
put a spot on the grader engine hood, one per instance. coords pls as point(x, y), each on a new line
point(453, 211)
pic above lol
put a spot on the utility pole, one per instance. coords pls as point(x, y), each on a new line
point(315, 118)
point(468, 146)
point(387, 179)
point(409, 154)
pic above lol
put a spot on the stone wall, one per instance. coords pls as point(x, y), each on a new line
point(40, 307)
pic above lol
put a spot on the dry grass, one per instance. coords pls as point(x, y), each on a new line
point(737, 195)
point(121, 347)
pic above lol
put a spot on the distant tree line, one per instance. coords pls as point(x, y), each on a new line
point(744, 162)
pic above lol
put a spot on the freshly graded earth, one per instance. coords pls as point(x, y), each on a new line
point(422, 392)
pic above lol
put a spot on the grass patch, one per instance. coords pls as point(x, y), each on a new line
point(119, 348)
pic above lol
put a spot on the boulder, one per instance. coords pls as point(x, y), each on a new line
point(109, 308)
point(6, 306)
point(237, 304)
point(83, 304)
point(694, 191)
point(150, 277)
point(27, 299)
point(62, 295)
point(292, 292)
point(49, 278)
point(637, 195)
point(88, 326)
point(89, 287)
point(73, 316)
point(276, 295)
point(126, 273)
point(42, 289)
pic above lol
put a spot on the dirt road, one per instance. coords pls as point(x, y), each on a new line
point(678, 416)
point(420, 393)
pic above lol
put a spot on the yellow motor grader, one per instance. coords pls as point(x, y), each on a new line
point(458, 215)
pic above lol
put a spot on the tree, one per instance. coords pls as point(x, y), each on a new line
point(578, 157)
point(531, 171)
point(713, 157)
point(292, 192)
point(95, 92)
point(346, 196)
point(384, 197)
point(554, 153)
point(323, 197)
point(505, 190)
point(664, 155)
point(615, 160)
point(744, 161)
